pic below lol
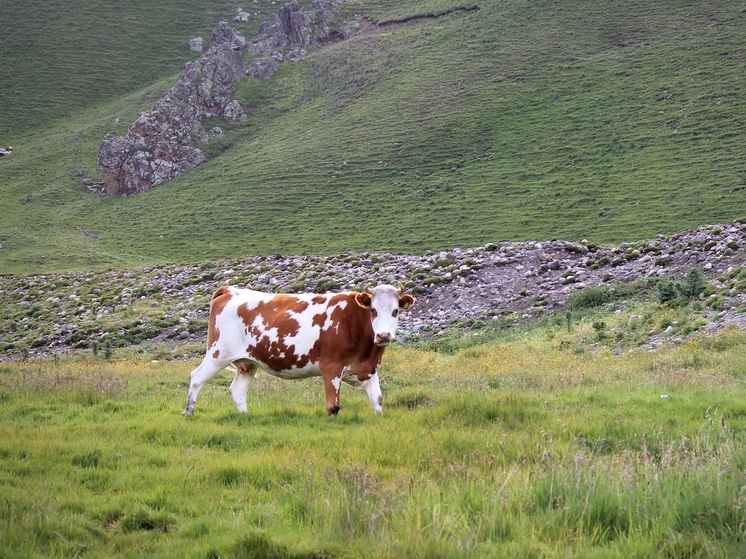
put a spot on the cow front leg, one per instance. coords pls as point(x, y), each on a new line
point(332, 383)
point(373, 389)
point(240, 386)
point(206, 370)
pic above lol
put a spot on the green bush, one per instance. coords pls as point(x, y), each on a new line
point(668, 291)
point(689, 288)
point(693, 283)
point(589, 298)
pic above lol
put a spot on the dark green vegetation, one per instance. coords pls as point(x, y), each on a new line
point(609, 121)
point(535, 443)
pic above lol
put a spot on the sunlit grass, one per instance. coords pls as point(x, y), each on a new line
point(518, 447)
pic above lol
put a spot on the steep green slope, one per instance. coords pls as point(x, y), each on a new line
point(59, 56)
point(609, 121)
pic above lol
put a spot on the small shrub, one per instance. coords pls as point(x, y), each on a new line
point(668, 291)
point(716, 303)
point(693, 283)
point(589, 298)
point(410, 399)
point(327, 284)
point(257, 545)
point(89, 460)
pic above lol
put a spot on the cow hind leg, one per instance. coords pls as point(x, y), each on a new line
point(206, 370)
point(245, 374)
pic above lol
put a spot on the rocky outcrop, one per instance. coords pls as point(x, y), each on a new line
point(160, 144)
point(296, 26)
point(293, 28)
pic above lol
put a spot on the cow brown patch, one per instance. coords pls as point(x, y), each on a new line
point(247, 315)
point(319, 299)
point(276, 355)
point(216, 354)
point(319, 320)
point(274, 313)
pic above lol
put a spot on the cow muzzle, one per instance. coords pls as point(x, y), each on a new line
point(383, 339)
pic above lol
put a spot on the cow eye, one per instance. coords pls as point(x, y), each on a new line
point(395, 313)
point(374, 312)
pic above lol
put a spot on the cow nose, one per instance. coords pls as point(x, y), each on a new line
point(383, 338)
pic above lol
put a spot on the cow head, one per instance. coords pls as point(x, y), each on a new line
point(384, 303)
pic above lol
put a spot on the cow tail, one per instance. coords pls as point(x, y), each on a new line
point(222, 290)
point(219, 291)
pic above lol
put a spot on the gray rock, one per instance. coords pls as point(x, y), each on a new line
point(262, 68)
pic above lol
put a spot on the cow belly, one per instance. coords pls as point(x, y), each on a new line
point(292, 374)
point(352, 379)
point(310, 370)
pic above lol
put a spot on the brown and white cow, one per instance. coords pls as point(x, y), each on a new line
point(338, 336)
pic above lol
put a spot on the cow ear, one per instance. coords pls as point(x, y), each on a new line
point(363, 299)
point(406, 301)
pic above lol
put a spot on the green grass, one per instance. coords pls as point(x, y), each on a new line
point(518, 121)
point(517, 447)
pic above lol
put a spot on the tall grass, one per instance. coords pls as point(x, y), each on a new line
point(517, 447)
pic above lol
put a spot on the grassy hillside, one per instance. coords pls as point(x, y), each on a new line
point(60, 56)
point(523, 120)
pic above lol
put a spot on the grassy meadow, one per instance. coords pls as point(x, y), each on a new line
point(610, 121)
point(532, 444)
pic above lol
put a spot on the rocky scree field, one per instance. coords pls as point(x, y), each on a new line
point(466, 289)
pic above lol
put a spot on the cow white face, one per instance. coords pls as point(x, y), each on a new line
point(384, 302)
